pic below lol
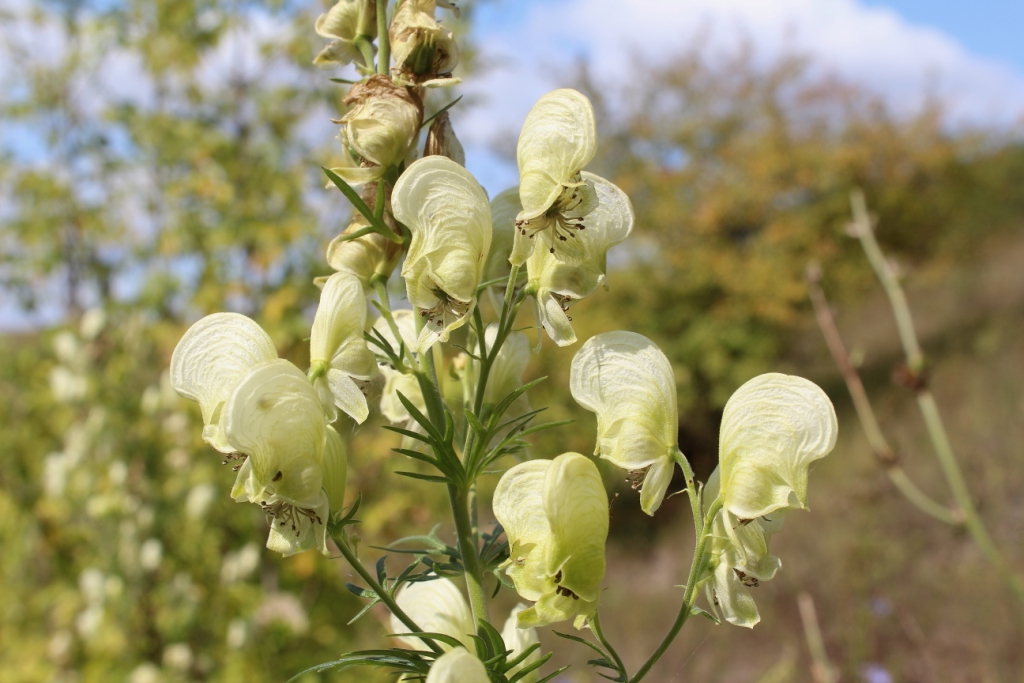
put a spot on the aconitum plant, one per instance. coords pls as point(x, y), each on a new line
point(462, 264)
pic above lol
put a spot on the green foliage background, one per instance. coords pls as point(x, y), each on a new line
point(197, 199)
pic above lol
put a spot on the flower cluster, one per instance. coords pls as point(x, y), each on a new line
point(459, 246)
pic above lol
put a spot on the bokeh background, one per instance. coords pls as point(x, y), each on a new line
point(159, 161)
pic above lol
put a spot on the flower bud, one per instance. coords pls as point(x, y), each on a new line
point(369, 255)
point(555, 515)
point(346, 21)
point(335, 470)
point(341, 366)
point(380, 128)
point(441, 140)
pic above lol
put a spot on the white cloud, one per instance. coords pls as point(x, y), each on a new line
point(533, 50)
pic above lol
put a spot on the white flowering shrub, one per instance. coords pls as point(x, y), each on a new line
point(468, 266)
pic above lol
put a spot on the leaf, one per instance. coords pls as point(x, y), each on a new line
point(441, 111)
point(425, 477)
point(584, 641)
point(361, 206)
point(694, 611)
point(409, 433)
point(549, 677)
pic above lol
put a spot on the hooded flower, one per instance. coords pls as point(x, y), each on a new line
point(346, 21)
point(773, 428)
point(738, 559)
point(424, 51)
point(341, 366)
point(626, 380)
point(558, 139)
point(458, 666)
point(379, 130)
point(210, 359)
point(558, 283)
point(555, 515)
point(449, 217)
point(274, 419)
point(437, 607)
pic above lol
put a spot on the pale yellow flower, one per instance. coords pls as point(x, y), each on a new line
point(344, 22)
point(436, 607)
point(458, 666)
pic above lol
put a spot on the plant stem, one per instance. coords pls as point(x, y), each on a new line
point(925, 401)
point(884, 453)
point(459, 498)
point(595, 626)
point(690, 596)
point(382, 594)
point(383, 41)
point(821, 668)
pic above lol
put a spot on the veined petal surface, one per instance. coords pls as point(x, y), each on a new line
point(437, 607)
point(773, 428)
point(558, 138)
point(518, 640)
point(449, 217)
point(626, 380)
point(274, 417)
point(209, 361)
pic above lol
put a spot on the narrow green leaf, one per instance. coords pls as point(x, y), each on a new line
point(425, 477)
point(441, 111)
point(584, 641)
point(361, 206)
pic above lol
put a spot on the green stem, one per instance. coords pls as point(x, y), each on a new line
point(925, 400)
point(383, 41)
point(382, 594)
point(689, 597)
point(595, 626)
point(459, 498)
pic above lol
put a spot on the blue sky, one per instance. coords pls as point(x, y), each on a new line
point(988, 28)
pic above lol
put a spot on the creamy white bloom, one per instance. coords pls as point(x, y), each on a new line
point(518, 640)
point(558, 139)
point(437, 607)
point(210, 359)
point(626, 380)
point(335, 470)
point(449, 217)
point(773, 428)
point(555, 515)
point(557, 283)
point(344, 22)
point(369, 255)
point(738, 559)
point(274, 418)
point(341, 366)
point(458, 666)
point(381, 127)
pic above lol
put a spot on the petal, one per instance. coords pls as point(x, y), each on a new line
point(519, 508)
point(209, 361)
point(301, 532)
point(347, 395)
point(340, 318)
point(655, 485)
point(576, 505)
point(445, 208)
point(405, 321)
point(733, 599)
point(384, 122)
point(337, 53)
point(773, 428)
point(275, 417)
point(610, 222)
point(391, 406)
point(553, 319)
point(509, 364)
point(628, 382)
point(558, 138)
point(437, 607)
point(518, 640)
point(458, 666)
point(335, 470)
